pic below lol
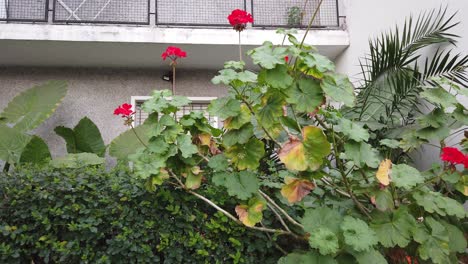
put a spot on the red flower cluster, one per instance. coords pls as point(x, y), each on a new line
point(173, 53)
point(124, 110)
point(454, 156)
point(286, 59)
point(239, 19)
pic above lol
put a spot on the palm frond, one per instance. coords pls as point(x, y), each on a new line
point(391, 76)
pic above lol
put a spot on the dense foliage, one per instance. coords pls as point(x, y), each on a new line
point(91, 216)
point(300, 169)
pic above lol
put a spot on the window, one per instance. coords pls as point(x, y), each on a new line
point(197, 104)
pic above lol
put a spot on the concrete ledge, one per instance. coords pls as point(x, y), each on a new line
point(148, 34)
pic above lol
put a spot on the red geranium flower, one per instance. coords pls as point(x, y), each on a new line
point(239, 19)
point(173, 53)
point(454, 156)
point(286, 59)
point(124, 110)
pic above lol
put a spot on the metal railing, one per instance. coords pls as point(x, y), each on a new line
point(196, 13)
point(102, 11)
point(295, 13)
point(24, 10)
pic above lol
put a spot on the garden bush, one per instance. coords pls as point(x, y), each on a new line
point(92, 216)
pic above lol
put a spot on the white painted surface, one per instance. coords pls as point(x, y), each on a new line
point(136, 47)
point(368, 18)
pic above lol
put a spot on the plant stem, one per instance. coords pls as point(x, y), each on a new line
point(173, 78)
point(212, 204)
point(278, 216)
point(310, 23)
point(345, 180)
point(290, 219)
point(138, 137)
point(240, 47)
point(258, 121)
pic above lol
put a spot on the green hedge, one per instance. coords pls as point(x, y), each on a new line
point(93, 216)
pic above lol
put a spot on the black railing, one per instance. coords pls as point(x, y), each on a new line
point(102, 11)
point(196, 13)
point(24, 10)
point(295, 13)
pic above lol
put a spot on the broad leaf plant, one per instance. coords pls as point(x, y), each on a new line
point(302, 172)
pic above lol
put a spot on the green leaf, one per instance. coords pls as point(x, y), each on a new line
point(185, 145)
point(319, 62)
point(79, 160)
point(322, 217)
point(457, 239)
point(434, 202)
point(32, 107)
point(236, 122)
point(242, 184)
point(238, 136)
point(194, 179)
point(69, 136)
point(357, 234)
point(251, 214)
point(362, 154)
point(271, 110)
point(12, 143)
point(277, 78)
point(439, 96)
point(224, 107)
point(158, 102)
point(268, 56)
point(460, 115)
point(324, 240)
point(436, 119)
point(236, 65)
point(246, 156)
point(316, 146)
point(310, 257)
point(406, 177)
point(339, 88)
point(127, 143)
point(36, 151)
point(218, 163)
point(306, 95)
point(394, 229)
point(390, 143)
point(434, 243)
point(371, 256)
point(225, 76)
point(384, 200)
point(431, 133)
point(352, 130)
point(88, 138)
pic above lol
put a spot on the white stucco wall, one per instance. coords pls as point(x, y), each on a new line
point(368, 18)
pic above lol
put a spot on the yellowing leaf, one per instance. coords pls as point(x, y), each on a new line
point(296, 189)
point(251, 214)
point(292, 154)
point(205, 139)
point(316, 146)
point(383, 173)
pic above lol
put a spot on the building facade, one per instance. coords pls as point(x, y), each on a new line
point(109, 50)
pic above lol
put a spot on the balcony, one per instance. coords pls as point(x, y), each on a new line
point(91, 32)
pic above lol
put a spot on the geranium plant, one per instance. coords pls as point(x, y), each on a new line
point(239, 20)
point(304, 173)
point(173, 53)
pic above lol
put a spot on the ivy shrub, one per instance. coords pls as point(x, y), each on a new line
point(92, 216)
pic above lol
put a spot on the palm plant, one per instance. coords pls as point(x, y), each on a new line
point(392, 75)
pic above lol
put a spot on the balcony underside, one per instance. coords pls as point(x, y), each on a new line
point(127, 46)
